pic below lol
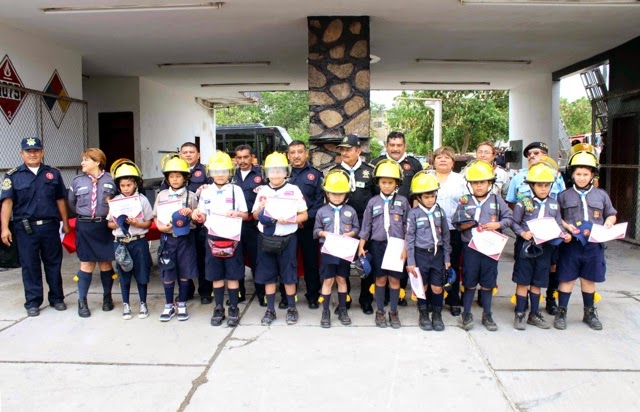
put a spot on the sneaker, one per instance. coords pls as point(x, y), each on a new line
point(234, 317)
point(143, 313)
point(218, 316)
point(467, 320)
point(325, 321)
point(394, 319)
point(518, 321)
point(560, 322)
point(292, 316)
point(423, 318)
point(436, 320)
point(591, 318)
point(487, 321)
point(168, 312)
point(268, 318)
point(343, 316)
point(381, 319)
point(182, 311)
point(126, 312)
point(536, 319)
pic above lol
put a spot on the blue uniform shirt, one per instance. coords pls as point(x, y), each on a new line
point(528, 208)
point(34, 196)
point(325, 220)
point(252, 180)
point(80, 195)
point(494, 209)
point(420, 235)
point(373, 219)
point(309, 181)
point(519, 189)
point(598, 204)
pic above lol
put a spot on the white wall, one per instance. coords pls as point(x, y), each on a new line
point(35, 58)
point(169, 118)
point(530, 107)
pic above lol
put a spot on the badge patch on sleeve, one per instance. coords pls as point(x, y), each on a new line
point(6, 184)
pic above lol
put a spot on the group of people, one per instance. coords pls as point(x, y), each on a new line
point(435, 212)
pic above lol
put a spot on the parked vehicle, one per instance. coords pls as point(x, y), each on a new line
point(263, 139)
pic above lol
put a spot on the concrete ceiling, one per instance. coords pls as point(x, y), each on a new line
point(133, 44)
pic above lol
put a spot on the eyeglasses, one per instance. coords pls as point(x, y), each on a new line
point(484, 152)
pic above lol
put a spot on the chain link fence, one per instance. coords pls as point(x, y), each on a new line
point(619, 158)
point(61, 123)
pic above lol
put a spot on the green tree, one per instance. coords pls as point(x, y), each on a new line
point(376, 147)
point(468, 117)
point(576, 115)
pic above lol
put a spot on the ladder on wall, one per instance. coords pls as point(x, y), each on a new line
point(596, 88)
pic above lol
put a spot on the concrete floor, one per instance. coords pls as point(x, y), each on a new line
point(58, 361)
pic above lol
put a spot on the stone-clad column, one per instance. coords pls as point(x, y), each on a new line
point(338, 84)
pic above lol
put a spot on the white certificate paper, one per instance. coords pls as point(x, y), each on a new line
point(392, 259)
point(601, 234)
point(544, 229)
point(416, 284)
point(488, 242)
point(165, 210)
point(224, 226)
point(129, 206)
point(342, 247)
point(281, 209)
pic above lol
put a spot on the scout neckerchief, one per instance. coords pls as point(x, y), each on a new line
point(336, 218)
point(542, 206)
point(94, 192)
point(352, 173)
point(386, 216)
point(583, 197)
point(432, 223)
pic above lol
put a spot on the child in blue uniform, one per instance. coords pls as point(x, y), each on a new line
point(385, 216)
point(340, 219)
point(582, 205)
point(531, 269)
point(177, 252)
point(488, 212)
point(224, 259)
point(131, 232)
point(428, 247)
point(276, 245)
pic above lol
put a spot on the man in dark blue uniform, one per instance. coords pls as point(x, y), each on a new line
point(396, 150)
point(35, 194)
point(309, 181)
point(362, 189)
point(249, 178)
point(189, 152)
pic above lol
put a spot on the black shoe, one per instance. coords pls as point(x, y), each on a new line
point(455, 311)
point(552, 307)
point(487, 321)
point(467, 321)
point(343, 316)
point(218, 316)
point(325, 321)
point(283, 304)
point(394, 319)
point(292, 316)
point(33, 311)
point(436, 319)
point(367, 309)
point(206, 300)
point(381, 319)
point(560, 322)
point(83, 309)
point(423, 318)
point(262, 301)
point(107, 303)
point(60, 306)
point(268, 318)
point(402, 302)
point(234, 317)
point(313, 305)
point(591, 318)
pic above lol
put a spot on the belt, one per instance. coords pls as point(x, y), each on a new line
point(91, 219)
point(429, 250)
point(40, 222)
point(128, 239)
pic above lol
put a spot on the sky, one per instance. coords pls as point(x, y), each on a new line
point(571, 88)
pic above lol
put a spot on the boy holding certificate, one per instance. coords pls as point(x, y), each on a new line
point(224, 260)
point(177, 252)
point(131, 231)
point(582, 205)
point(339, 219)
point(479, 211)
point(384, 218)
point(279, 209)
point(428, 247)
point(532, 262)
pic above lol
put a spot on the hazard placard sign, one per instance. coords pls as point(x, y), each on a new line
point(10, 99)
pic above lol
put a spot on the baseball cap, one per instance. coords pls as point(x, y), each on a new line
point(363, 265)
point(585, 231)
point(31, 143)
point(122, 224)
point(535, 145)
point(180, 224)
point(531, 250)
point(350, 141)
point(451, 277)
point(123, 258)
point(460, 217)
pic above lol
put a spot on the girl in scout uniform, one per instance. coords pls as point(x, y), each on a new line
point(428, 247)
point(340, 219)
point(582, 205)
point(227, 264)
point(131, 232)
point(385, 216)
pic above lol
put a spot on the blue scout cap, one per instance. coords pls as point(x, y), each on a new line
point(585, 231)
point(451, 278)
point(180, 224)
point(122, 224)
point(363, 265)
point(531, 250)
point(31, 143)
point(460, 217)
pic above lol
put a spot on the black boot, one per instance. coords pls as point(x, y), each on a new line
point(423, 319)
point(591, 318)
point(560, 322)
point(438, 324)
point(107, 303)
point(552, 305)
point(83, 309)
